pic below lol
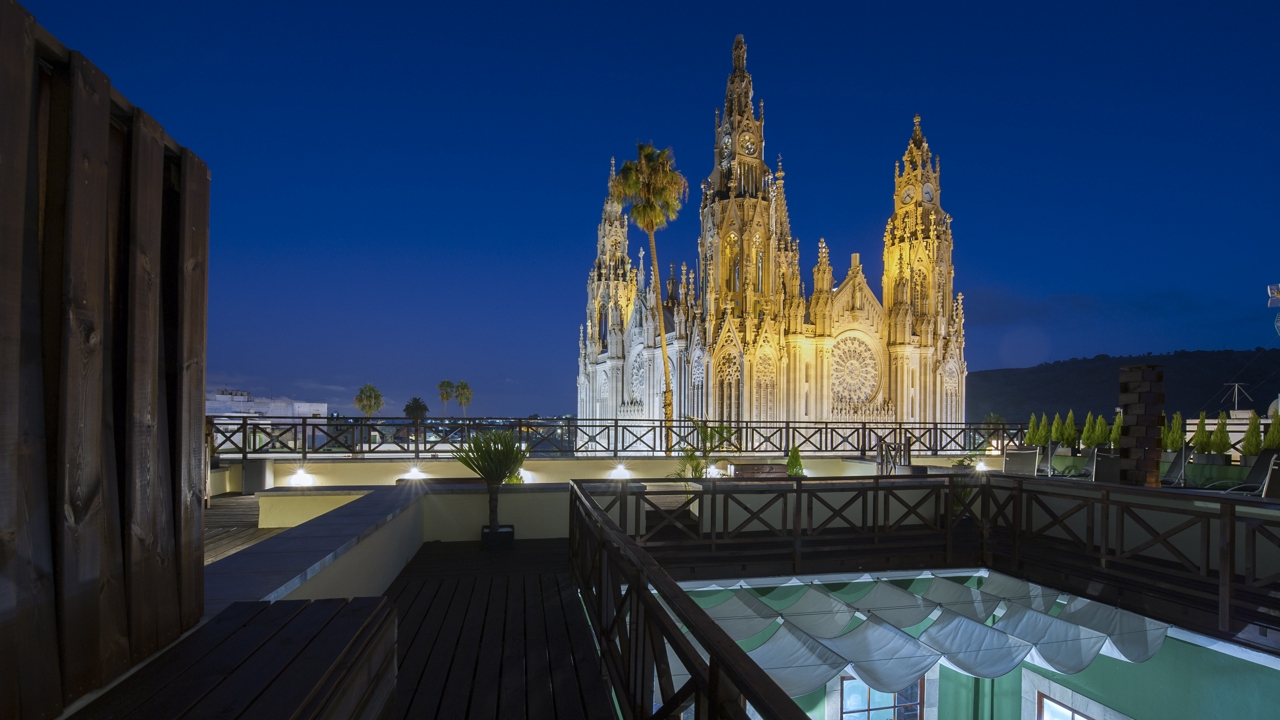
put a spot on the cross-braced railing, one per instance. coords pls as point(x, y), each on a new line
point(247, 437)
point(1202, 560)
point(637, 611)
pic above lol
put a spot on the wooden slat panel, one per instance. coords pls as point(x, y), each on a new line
point(189, 443)
point(426, 699)
point(29, 678)
point(564, 682)
point(297, 685)
point(457, 688)
point(150, 570)
point(175, 662)
point(363, 685)
point(484, 700)
point(204, 675)
point(511, 692)
point(537, 665)
point(251, 677)
point(93, 626)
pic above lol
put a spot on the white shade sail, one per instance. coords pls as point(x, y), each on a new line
point(969, 602)
point(1059, 645)
point(883, 656)
point(974, 648)
point(820, 614)
point(821, 634)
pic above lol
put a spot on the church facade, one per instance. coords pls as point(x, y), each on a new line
point(747, 339)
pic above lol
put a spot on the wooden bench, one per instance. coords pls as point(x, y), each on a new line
point(288, 659)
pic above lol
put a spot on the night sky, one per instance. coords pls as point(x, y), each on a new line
point(404, 193)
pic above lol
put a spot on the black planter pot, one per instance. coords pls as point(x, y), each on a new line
point(1248, 460)
point(1210, 459)
point(504, 539)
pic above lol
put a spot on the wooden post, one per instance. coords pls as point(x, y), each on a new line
point(149, 548)
point(192, 311)
point(1226, 564)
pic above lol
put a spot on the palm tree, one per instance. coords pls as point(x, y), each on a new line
point(462, 393)
point(446, 393)
point(416, 409)
point(654, 190)
point(369, 400)
point(496, 457)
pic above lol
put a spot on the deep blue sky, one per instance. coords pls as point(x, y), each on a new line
point(409, 192)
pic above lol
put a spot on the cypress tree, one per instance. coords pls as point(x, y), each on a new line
point(1272, 439)
point(1055, 433)
point(1033, 433)
point(1220, 441)
point(1043, 438)
point(1086, 435)
point(1070, 436)
point(1200, 440)
point(1115, 430)
point(1101, 433)
point(1252, 443)
point(1177, 433)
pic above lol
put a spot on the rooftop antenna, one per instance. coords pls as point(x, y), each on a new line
point(1236, 390)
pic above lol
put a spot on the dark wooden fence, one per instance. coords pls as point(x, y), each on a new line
point(246, 437)
point(1205, 561)
point(103, 246)
point(621, 586)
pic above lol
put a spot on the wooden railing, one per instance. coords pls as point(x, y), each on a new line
point(627, 596)
point(246, 437)
point(1209, 562)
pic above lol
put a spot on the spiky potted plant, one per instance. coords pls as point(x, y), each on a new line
point(1252, 443)
point(1271, 441)
point(497, 458)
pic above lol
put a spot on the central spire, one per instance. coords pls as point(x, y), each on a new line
point(737, 94)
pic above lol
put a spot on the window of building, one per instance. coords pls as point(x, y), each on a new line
point(860, 702)
point(1049, 709)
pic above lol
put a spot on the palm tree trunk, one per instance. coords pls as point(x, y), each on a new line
point(493, 509)
point(662, 340)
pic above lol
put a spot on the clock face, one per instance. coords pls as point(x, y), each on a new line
point(928, 193)
point(748, 145)
point(908, 195)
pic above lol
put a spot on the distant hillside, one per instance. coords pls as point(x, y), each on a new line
point(1193, 382)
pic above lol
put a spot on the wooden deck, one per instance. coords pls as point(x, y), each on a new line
point(231, 525)
point(495, 635)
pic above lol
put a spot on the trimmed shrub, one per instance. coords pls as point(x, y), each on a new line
point(1086, 435)
point(795, 468)
point(1175, 435)
point(1033, 432)
point(1271, 441)
point(1220, 441)
point(1101, 433)
point(1115, 430)
point(1055, 433)
point(1200, 440)
point(1252, 444)
point(1070, 435)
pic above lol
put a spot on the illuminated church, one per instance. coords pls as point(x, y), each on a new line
point(745, 338)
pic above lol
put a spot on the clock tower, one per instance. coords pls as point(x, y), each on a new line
point(925, 335)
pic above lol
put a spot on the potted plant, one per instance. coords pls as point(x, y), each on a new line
point(1071, 435)
point(1252, 443)
point(1115, 430)
point(1271, 441)
point(497, 458)
point(795, 468)
point(1033, 433)
point(1212, 447)
point(1172, 438)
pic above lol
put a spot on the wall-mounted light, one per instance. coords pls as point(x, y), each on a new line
point(620, 472)
point(982, 466)
point(414, 473)
point(301, 478)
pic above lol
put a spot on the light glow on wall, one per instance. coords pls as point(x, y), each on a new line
point(301, 478)
point(525, 475)
point(620, 472)
point(414, 473)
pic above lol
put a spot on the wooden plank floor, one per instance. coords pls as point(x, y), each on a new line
point(494, 635)
point(231, 525)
